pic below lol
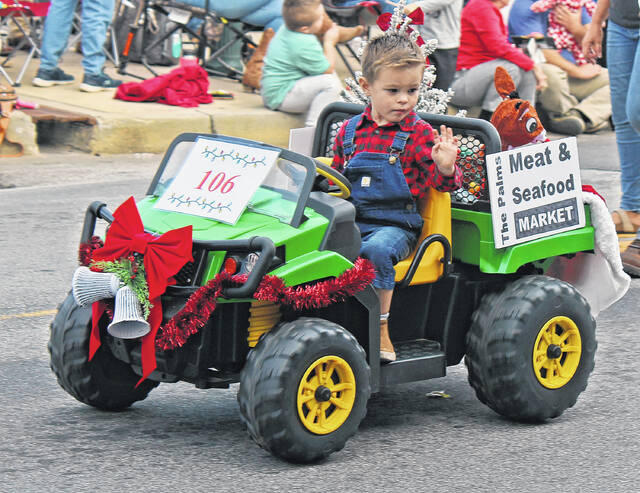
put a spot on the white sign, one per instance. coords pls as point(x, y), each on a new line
point(217, 180)
point(535, 191)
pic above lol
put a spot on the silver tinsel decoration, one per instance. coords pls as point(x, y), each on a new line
point(430, 99)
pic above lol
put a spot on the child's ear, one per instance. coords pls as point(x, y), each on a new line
point(304, 29)
point(364, 83)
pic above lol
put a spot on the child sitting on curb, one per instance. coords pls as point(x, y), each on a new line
point(391, 157)
point(298, 74)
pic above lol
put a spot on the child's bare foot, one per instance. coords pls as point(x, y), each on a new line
point(626, 221)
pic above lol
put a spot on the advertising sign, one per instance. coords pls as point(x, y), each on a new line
point(535, 191)
point(217, 180)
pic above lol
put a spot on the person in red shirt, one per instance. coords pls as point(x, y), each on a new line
point(391, 156)
point(484, 45)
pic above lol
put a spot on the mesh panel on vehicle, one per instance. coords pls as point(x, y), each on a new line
point(471, 160)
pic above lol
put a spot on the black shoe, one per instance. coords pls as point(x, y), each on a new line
point(98, 82)
point(53, 77)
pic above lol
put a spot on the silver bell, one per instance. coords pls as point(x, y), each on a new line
point(128, 322)
point(88, 286)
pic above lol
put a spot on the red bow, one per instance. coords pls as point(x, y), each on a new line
point(416, 16)
point(164, 256)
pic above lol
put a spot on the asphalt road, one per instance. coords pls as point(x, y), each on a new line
point(184, 439)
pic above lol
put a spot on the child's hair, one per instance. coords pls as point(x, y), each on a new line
point(389, 51)
point(299, 13)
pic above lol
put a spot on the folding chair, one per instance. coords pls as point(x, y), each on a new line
point(180, 14)
point(364, 13)
point(32, 15)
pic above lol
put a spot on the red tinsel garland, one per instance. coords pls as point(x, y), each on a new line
point(203, 302)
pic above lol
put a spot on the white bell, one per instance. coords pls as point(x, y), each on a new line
point(128, 322)
point(88, 286)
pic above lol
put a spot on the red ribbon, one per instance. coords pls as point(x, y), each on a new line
point(164, 256)
point(416, 16)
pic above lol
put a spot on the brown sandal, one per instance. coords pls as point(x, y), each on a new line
point(625, 226)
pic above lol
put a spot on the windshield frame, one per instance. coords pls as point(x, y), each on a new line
point(308, 163)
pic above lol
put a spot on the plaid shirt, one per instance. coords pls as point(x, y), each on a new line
point(419, 169)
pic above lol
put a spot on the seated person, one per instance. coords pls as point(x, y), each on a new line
point(483, 47)
point(391, 157)
point(298, 74)
point(577, 97)
point(263, 13)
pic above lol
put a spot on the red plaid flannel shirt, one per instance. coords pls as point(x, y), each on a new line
point(419, 169)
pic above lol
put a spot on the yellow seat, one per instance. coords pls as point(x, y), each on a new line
point(435, 209)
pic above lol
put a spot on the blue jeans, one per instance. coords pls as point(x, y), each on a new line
point(96, 16)
point(385, 246)
point(267, 13)
point(623, 61)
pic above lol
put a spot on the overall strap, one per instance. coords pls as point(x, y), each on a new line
point(401, 138)
point(350, 135)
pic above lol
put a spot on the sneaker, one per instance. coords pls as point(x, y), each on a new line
point(53, 77)
point(631, 259)
point(98, 82)
point(570, 123)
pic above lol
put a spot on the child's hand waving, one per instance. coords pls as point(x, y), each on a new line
point(445, 150)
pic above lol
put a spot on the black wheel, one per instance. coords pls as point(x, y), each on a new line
point(304, 389)
point(104, 382)
point(531, 348)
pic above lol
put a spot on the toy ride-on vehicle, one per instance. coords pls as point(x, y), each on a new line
point(279, 302)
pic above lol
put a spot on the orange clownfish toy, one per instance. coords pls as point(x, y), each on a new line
point(515, 119)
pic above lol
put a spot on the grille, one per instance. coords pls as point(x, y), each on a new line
point(186, 275)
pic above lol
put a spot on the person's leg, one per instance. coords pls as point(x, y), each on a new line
point(385, 246)
point(558, 102)
point(470, 86)
point(57, 28)
point(556, 99)
point(476, 85)
point(96, 17)
point(445, 63)
point(311, 94)
point(623, 60)
point(595, 99)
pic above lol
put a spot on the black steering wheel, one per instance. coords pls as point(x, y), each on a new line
point(323, 169)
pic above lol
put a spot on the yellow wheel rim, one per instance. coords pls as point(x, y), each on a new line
point(326, 395)
point(556, 352)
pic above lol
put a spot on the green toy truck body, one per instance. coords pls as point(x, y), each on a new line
point(305, 375)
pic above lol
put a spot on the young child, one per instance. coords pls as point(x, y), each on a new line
point(391, 157)
point(298, 74)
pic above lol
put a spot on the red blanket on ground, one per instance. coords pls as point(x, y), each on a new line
point(184, 86)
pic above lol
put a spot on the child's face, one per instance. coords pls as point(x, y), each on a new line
point(393, 93)
point(316, 25)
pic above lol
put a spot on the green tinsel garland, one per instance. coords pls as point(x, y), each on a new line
point(130, 271)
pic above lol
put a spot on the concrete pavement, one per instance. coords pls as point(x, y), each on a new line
point(129, 127)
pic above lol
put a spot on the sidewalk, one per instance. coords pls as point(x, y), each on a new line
point(111, 126)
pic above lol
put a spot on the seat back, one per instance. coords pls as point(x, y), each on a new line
point(435, 210)
point(476, 138)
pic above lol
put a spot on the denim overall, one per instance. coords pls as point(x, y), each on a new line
point(385, 210)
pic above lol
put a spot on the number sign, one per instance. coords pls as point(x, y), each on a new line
point(217, 180)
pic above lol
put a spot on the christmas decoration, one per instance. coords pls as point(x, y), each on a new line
point(162, 257)
point(430, 100)
point(202, 303)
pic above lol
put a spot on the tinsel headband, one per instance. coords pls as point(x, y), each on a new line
point(430, 100)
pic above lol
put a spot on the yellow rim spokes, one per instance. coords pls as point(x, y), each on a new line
point(556, 352)
point(326, 395)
